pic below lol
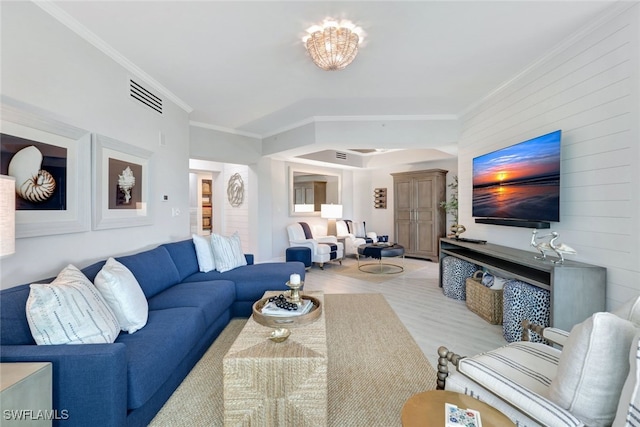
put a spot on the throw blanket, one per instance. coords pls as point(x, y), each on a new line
point(373, 251)
point(352, 230)
point(306, 229)
point(376, 251)
point(349, 226)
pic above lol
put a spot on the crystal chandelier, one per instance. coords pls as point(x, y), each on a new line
point(333, 45)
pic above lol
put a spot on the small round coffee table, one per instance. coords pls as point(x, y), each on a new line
point(379, 251)
point(427, 409)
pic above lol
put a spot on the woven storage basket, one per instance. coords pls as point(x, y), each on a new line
point(483, 301)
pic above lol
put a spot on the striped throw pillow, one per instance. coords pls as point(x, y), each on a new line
point(227, 252)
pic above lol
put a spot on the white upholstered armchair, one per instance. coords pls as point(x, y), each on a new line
point(351, 242)
point(592, 380)
point(354, 235)
point(323, 248)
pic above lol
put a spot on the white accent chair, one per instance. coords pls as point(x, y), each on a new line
point(593, 380)
point(321, 246)
point(351, 242)
point(346, 229)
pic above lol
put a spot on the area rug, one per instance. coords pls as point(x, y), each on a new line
point(352, 270)
point(374, 367)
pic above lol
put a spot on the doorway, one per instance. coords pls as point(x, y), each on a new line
point(201, 200)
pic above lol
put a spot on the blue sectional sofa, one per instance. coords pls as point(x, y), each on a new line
point(127, 382)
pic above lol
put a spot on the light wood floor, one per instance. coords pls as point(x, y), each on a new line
point(431, 318)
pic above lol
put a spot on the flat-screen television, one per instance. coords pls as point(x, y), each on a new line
point(520, 182)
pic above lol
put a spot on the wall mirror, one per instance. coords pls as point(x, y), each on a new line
point(308, 190)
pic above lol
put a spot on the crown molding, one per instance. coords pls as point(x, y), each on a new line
point(86, 34)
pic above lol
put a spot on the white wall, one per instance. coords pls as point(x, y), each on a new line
point(223, 147)
point(588, 87)
point(46, 65)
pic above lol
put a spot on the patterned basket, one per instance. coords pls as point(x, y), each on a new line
point(483, 301)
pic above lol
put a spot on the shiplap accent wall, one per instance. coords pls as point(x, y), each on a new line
point(237, 218)
point(589, 88)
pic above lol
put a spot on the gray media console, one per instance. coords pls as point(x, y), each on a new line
point(577, 289)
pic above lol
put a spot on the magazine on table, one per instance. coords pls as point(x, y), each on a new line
point(270, 309)
point(456, 417)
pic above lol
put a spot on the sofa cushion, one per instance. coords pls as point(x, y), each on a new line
point(70, 310)
point(520, 373)
point(184, 257)
point(157, 349)
point(227, 252)
point(92, 270)
point(585, 383)
point(14, 328)
point(461, 384)
point(123, 294)
point(154, 270)
point(204, 253)
point(253, 280)
point(213, 298)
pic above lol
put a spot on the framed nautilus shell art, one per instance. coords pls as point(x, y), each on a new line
point(50, 163)
point(120, 184)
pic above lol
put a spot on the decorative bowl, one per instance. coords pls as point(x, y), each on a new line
point(288, 321)
point(279, 334)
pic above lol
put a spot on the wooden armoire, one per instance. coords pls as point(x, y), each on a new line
point(419, 221)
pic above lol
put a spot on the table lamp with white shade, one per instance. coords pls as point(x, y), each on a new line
point(331, 213)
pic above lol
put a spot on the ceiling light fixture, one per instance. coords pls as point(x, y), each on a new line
point(333, 45)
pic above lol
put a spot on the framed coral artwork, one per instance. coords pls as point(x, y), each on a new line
point(121, 184)
point(49, 160)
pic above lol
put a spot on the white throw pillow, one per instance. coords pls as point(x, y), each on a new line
point(204, 253)
point(70, 310)
point(593, 367)
point(123, 294)
point(227, 252)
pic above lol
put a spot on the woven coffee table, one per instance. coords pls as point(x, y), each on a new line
point(379, 251)
point(267, 383)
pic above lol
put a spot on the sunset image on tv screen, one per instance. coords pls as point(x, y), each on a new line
point(521, 181)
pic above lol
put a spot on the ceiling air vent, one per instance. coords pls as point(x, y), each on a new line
point(341, 156)
point(142, 95)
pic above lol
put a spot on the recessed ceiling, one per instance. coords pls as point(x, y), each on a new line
point(242, 65)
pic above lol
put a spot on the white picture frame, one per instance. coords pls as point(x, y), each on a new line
point(111, 208)
point(22, 121)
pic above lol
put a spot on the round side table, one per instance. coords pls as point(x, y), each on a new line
point(427, 409)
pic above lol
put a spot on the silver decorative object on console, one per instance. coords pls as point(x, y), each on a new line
point(560, 249)
point(458, 229)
